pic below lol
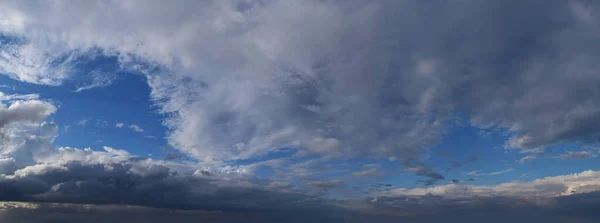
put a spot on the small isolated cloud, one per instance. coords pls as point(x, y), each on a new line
point(136, 128)
point(101, 123)
point(577, 155)
point(82, 122)
point(96, 79)
point(479, 173)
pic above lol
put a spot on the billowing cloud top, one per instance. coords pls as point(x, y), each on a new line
point(319, 81)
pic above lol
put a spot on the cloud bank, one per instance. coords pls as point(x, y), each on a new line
point(244, 78)
point(241, 79)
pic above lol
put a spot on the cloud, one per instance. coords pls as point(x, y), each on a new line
point(12, 97)
point(478, 173)
point(527, 158)
point(136, 128)
point(583, 182)
point(387, 87)
point(25, 112)
point(577, 155)
point(321, 184)
point(97, 80)
point(33, 170)
point(82, 122)
point(460, 164)
point(133, 127)
point(368, 173)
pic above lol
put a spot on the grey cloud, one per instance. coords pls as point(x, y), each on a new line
point(426, 171)
point(33, 170)
point(365, 78)
point(108, 178)
point(25, 112)
point(479, 173)
point(577, 155)
point(369, 172)
point(576, 208)
point(324, 184)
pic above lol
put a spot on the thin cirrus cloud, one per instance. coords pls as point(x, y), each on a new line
point(479, 173)
point(241, 80)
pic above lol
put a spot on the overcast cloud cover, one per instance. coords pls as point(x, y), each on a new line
point(299, 88)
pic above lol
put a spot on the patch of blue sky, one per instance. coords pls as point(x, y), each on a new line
point(124, 100)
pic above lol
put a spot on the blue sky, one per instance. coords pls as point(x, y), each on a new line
point(384, 108)
point(89, 118)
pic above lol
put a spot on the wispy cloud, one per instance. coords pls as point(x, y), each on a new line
point(82, 122)
point(577, 155)
point(479, 173)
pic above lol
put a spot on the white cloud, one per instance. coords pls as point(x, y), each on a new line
point(25, 112)
point(479, 173)
point(586, 181)
point(4, 97)
point(82, 122)
point(283, 73)
point(97, 80)
point(133, 127)
point(527, 158)
point(136, 128)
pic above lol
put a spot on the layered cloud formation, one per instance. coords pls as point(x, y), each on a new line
point(241, 79)
point(383, 78)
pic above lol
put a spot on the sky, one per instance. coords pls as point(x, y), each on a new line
point(299, 110)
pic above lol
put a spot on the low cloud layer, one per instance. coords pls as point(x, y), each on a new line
point(35, 171)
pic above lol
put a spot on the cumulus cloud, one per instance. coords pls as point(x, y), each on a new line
point(34, 170)
point(136, 128)
point(25, 112)
point(352, 77)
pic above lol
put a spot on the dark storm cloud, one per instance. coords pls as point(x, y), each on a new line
point(151, 185)
point(579, 208)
